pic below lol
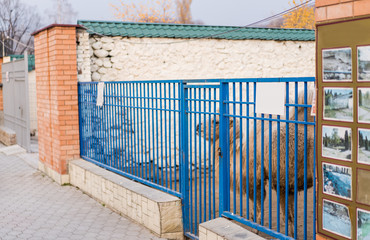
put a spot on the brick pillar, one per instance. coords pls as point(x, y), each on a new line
point(57, 99)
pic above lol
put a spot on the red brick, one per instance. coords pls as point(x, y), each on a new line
point(320, 14)
point(361, 7)
point(340, 11)
point(321, 3)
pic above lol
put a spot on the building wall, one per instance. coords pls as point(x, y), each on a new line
point(327, 10)
point(116, 59)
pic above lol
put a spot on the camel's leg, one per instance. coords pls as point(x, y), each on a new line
point(290, 209)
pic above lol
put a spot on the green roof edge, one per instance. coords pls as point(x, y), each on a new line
point(192, 31)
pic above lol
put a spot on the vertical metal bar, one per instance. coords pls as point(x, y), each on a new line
point(204, 157)
point(305, 165)
point(157, 133)
point(262, 168)
point(296, 164)
point(176, 103)
point(200, 156)
point(116, 128)
point(224, 157)
point(106, 119)
point(247, 153)
point(184, 155)
point(132, 132)
point(241, 148)
point(191, 161)
point(269, 172)
point(145, 130)
point(152, 124)
point(139, 124)
point(137, 130)
point(122, 136)
point(126, 129)
point(170, 131)
point(195, 163)
point(209, 155)
point(214, 153)
point(165, 130)
point(82, 137)
point(234, 151)
point(161, 133)
point(287, 161)
point(254, 156)
point(143, 151)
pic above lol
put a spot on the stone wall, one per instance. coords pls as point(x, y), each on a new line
point(117, 58)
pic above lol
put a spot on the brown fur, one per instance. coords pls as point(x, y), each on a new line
point(300, 160)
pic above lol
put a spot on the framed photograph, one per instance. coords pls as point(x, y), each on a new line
point(363, 224)
point(338, 104)
point(337, 180)
point(363, 58)
point(364, 105)
point(335, 218)
point(337, 64)
point(363, 151)
point(337, 143)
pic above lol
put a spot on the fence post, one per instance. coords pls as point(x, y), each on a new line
point(184, 153)
point(224, 151)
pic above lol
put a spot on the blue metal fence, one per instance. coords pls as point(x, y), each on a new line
point(203, 141)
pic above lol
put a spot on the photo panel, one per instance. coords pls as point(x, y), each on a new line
point(336, 219)
point(337, 65)
point(363, 224)
point(363, 149)
point(363, 66)
point(337, 180)
point(337, 142)
point(363, 105)
point(338, 104)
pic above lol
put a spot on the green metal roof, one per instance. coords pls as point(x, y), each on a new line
point(161, 30)
point(31, 60)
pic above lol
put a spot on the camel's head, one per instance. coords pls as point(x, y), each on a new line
point(211, 128)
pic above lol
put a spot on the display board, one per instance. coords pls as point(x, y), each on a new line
point(343, 129)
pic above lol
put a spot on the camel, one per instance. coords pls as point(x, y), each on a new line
point(273, 170)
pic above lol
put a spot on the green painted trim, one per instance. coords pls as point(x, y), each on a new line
point(162, 30)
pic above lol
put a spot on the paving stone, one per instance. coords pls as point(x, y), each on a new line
point(32, 206)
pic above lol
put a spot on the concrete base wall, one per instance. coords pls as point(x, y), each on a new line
point(7, 136)
point(159, 212)
point(57, 177)
point(223, 229)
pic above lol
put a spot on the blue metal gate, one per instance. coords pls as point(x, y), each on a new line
point(203, 141)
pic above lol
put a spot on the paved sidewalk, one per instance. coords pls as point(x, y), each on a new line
point(32, 206)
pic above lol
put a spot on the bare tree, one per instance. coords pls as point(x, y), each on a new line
point(17, 22)
point(62, 12)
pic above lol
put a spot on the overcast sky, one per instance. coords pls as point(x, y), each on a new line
point(210, 12)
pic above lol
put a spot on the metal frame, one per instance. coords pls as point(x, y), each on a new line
point(142, 123)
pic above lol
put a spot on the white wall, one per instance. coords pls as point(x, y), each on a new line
point(118, 59)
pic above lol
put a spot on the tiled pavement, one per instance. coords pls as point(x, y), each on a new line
point(32, 206)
